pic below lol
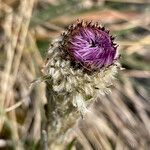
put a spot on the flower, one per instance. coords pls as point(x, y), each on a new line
point(90, 45)
point(82, 64)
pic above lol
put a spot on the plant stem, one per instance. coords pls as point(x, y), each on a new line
point(59, 117)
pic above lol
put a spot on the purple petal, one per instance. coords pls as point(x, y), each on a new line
point(92, 47)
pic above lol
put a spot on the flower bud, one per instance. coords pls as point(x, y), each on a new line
point(82, 63)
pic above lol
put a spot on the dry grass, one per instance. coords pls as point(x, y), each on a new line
point(117, 121)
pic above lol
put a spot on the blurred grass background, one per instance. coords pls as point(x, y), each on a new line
point(118, 121)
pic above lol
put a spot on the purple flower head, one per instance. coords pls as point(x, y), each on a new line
point(90, 45)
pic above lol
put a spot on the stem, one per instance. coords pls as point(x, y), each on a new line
point(60, 114)
point(50, 108)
